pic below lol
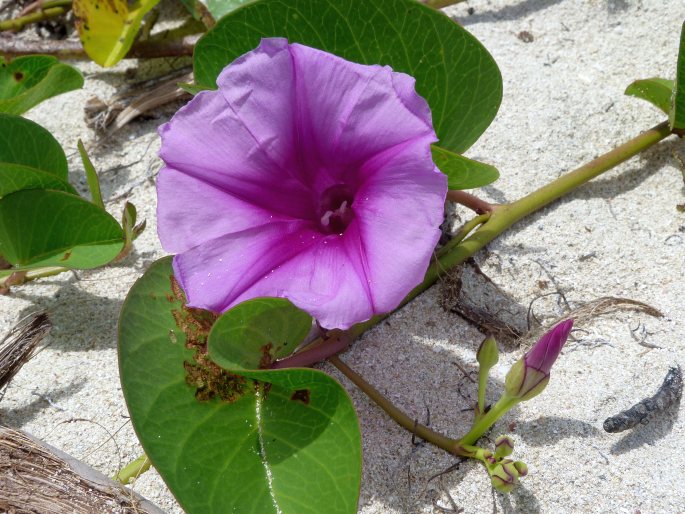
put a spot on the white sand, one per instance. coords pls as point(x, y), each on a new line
point(563, 105)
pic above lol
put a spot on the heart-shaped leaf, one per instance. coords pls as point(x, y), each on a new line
point(677, 114)
point(462, 172)
point(453, 71)
point(225, 443)
point(52, 228)
point(656, 91)
point(27, 81)
point(15, 177)
point(24, 142)
point(107, 28)
point(257, 332)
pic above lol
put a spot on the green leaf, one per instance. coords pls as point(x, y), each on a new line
point(27, 81)
point(656, 91)
point(677, 113)
point(257, 332)
point(107, 28)
point(292, 447)
point(220, 8)
point(192, 89)
point(462, 172)
point(216, 8)
point(24, 142)
point(15, 177)
point(453, 71)
point(53, 228)
point(91, 176)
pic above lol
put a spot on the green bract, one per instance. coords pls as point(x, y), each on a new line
point(453, 71)
point(27, 81)
point(228, 443)
point(462, 172)
point(655, 90)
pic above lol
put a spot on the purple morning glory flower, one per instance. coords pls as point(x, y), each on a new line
point(304, 176)
point(530, 375)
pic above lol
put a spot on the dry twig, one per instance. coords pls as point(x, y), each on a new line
point(17, 347)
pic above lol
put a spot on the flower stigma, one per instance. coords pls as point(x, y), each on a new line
point(335, 209)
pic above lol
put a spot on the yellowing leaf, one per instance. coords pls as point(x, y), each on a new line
point(107, 28)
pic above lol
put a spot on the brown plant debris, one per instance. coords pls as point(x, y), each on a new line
point(209, 380)
point(20, 345)
point(454, 299)
point(668, 395)
point(591, 310)
point(139, 99)
point(37, 479)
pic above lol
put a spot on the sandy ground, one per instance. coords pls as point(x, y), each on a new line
point(618, 236)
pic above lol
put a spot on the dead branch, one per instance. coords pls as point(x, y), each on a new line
point(20, 344)
point(73, 49)
point(34, 477)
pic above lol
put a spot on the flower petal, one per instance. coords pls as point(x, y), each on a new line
point(283, 260)
point(217, 272)
point(322, 280)
point(399, 211)
point(207, 139)
point(348, 113)
point(183, 224)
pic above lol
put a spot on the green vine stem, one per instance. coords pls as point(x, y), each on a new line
point(49, 10)
point(10, 277)
point(504, 216)
point(422, 431)
point(484, 422)
point(462, 448)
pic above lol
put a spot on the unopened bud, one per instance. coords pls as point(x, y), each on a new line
point(502, 477)
point(488, 353)
point(504, 446)
point(529, 376)
point(523, 382)
point(505, 475)
point(521, 467)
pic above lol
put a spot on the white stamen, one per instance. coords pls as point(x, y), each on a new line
point(326, 218)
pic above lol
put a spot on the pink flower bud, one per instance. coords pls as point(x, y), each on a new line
point(529, 376)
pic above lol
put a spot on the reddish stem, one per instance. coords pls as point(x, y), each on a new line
point(328, 347)
point(472, 202)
